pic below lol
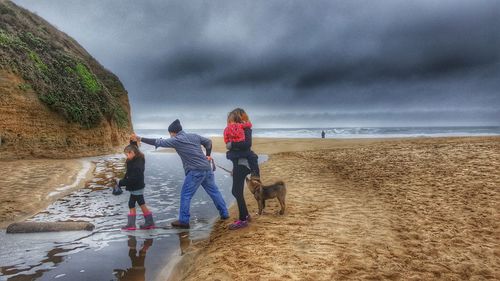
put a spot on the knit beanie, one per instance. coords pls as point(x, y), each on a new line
point(175, 127)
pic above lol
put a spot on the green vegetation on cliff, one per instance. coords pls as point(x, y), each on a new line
point(65, 77)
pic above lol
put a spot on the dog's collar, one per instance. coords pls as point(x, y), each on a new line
point(255, 190)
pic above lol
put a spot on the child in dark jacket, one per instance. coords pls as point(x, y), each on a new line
point(238, 139)
point(134, 182)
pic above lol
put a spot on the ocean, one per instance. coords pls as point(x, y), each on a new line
point(343, 133)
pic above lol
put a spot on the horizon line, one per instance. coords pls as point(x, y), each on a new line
point(347, 127)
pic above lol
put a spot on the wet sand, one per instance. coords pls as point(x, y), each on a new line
point(107, 252)
point(414, 209)
point(29, 186)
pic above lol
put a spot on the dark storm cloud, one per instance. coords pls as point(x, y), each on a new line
point(188, 63)
point(311, 49)
point(293, 56)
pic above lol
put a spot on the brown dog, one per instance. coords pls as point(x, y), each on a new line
point(264, 192)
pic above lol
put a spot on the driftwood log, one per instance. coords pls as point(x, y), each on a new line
point(32, 227)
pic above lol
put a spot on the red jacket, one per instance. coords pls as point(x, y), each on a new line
point(235, 132)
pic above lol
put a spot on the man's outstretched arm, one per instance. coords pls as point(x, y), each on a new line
point(156, 142)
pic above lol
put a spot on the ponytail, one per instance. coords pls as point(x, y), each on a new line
point(135, 149)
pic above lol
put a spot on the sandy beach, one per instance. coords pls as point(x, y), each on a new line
point(398, 209)
point(29, 186)
point(393, 209)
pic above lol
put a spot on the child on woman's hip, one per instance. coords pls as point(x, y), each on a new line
point(238, 139)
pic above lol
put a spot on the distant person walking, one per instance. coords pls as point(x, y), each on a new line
point(196, 166)
point(323, 134)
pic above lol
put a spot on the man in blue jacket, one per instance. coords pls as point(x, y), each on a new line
point(196, 166)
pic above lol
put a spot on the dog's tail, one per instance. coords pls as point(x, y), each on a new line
point(280, 183)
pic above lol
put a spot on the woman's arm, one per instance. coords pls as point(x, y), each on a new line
point(243, 145)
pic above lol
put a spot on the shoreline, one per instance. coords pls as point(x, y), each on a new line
point(170, 268)
point(269, 145)
point(214, 257)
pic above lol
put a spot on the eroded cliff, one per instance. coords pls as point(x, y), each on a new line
point(55, 99)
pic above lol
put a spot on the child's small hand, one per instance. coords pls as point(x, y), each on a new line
point(209, 158)
point(116, 189)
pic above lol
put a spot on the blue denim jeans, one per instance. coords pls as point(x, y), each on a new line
point(193, 180)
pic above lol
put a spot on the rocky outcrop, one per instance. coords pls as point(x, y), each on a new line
point(56, 100)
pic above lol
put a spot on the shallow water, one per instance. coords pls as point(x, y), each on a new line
point(107, 253)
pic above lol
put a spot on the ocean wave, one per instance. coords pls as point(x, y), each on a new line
point(346, 132)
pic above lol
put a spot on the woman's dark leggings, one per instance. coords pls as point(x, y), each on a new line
point(239, 174)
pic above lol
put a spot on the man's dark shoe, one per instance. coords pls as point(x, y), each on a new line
point(179, 224)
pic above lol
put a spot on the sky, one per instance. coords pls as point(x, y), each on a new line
point(295, 63)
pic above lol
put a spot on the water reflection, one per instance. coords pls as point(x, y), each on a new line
point(137, 272)
point(53, 257)
point(184, 241)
